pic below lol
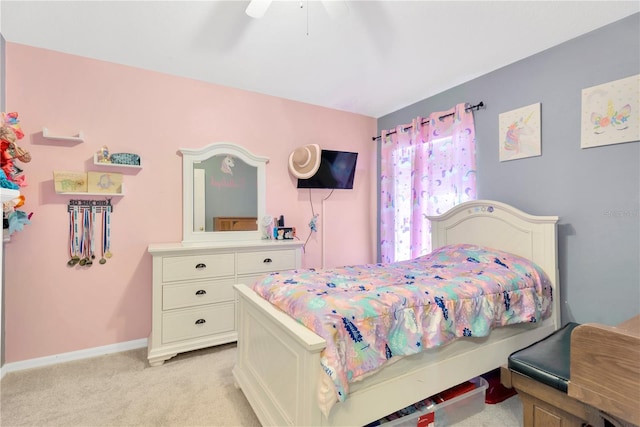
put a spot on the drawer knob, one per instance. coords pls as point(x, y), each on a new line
point(267, 260)
point(201, 292)
point(200, 322)
point(200, 266)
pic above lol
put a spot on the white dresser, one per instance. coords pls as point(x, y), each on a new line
point(194, 303)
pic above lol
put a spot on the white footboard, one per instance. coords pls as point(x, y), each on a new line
point(278, 368)
point(278, 363)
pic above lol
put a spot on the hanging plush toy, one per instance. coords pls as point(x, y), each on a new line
point(11, 120)
point(10, 151)
point(7, 140)
point(16, 219)
point(11, 175)
point(313, 224)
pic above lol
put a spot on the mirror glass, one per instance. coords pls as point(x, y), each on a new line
point(223, 192)
point(227, 198)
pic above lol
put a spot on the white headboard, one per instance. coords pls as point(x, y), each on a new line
point(500, 226)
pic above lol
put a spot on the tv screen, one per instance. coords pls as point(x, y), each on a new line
point(337, 169)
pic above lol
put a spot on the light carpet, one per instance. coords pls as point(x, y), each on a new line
point(121, 389)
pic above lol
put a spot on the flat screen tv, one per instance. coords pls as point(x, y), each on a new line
point(337, 169)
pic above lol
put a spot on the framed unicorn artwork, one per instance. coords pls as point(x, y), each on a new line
point(520, 133)
point(611, 113)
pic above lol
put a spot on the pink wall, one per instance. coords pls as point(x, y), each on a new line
point(51, 308)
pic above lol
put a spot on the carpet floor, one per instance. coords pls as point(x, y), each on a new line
point(192, 389)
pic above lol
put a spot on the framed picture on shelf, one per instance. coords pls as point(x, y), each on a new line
point(104, 182)
point(70, 182)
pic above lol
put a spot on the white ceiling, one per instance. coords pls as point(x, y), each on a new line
point(366, 57)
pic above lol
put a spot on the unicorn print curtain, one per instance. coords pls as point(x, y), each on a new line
point(427, 167)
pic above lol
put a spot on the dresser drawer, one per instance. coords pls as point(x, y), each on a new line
point(266, 261)
point(180, 295)
point(197, 267)
point(185, 324)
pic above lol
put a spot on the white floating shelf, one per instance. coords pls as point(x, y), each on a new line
point(93, 194)
point(76, 138)
point(113, 165)
point(85, 193)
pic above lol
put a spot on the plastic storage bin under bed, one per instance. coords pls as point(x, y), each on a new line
point(455, 407)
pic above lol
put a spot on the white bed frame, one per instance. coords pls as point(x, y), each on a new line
point(278, 362)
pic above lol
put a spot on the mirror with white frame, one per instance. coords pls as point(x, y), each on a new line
point(223, 193)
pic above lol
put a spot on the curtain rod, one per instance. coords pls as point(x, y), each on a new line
point(478, 106)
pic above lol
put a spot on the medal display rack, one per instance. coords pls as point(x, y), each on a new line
point(89, 223)
point(100, 204)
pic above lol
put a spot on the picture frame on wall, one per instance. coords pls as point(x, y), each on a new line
point(520, 134)
point(611, 113)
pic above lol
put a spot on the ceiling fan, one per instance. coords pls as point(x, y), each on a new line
point(257, 8)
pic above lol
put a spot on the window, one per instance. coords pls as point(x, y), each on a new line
point(424, 172)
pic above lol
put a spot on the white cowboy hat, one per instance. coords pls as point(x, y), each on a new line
point(305, 161)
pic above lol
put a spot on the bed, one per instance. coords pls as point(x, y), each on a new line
point(278, 364)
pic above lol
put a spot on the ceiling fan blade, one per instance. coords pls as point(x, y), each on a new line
point(336, 9)
point(257, 8)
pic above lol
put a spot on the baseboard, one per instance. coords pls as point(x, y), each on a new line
point(73, 355)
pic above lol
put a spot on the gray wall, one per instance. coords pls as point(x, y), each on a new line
point(595, 191)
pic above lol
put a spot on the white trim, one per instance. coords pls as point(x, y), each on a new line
point(73, 355)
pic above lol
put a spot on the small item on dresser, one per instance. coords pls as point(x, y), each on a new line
point(284, 233)
point(125, 159)
point(267, 224)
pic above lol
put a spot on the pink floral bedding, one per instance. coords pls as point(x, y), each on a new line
point(370, 313)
